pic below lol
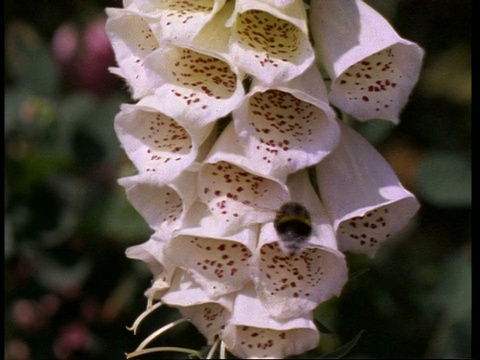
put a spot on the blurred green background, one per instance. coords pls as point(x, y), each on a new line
point(69, 289)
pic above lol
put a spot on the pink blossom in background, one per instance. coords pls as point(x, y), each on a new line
point(84, 56)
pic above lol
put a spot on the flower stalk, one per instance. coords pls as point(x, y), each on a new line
point(211, 193)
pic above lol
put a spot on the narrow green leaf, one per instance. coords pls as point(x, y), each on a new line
point(359, 273)
point(322, 327)
point(344, 349)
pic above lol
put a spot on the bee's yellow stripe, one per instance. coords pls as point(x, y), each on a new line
point(302, 219)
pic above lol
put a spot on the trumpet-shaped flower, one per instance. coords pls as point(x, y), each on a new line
point(271, 43)
point(291, 285)
point(151, 253)
point(209, 316)
point(155, 141)
point(217, 262)
point(162, 205)
point(252, 334)
point(365, 199)
point(178, 21)
point(237, 197)
point(278, 131)
point(194, 85)
point(373, 69)
point(132, 40)
point(285, 128)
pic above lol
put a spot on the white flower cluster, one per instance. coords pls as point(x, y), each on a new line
point(231, 109)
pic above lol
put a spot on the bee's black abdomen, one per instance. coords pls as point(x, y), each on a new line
point(293, 226)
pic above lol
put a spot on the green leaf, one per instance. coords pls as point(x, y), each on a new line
point(122, 221)
point(322, 327)
point(359, 273)
point(24, 174)
point(453, 294)
point(344, 349)
point(95, 120)
point(30, 60)
point(14, 98)
point(100, 123)
point(445, 179)
point(375, 131)
point(338, 353)
point(71, 112)
point(325, 315)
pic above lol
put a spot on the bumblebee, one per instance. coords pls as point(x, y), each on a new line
point(293, 225)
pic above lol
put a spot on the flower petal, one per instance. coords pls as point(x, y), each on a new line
point(209, 316)
point(290, 285)
point(217, 263)
point(148, 252)
point(195, 87)
point(280, 3)
point(270, 43)
point(151, 252)
point(373, 69)
point(132, 40)
point(252, 334)
point(363, 195)
point(178, 21)
point(286, 128)
point(154, 141)
point(163, 206)
point(237, 197)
